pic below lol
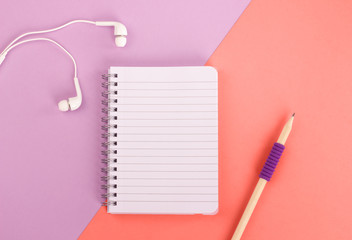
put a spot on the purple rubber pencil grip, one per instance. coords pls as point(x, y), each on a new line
point(272, 161)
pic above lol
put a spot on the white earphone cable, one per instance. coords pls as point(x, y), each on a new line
point(49, 40)
point(46, 31)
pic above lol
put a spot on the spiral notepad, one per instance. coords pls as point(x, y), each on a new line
point(161, 140)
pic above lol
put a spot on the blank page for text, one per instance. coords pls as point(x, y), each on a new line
point(164, 123)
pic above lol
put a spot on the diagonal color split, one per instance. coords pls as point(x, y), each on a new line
point(49, 167)
point(280, 56)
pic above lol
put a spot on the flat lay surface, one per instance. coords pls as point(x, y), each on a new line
point(279, 57)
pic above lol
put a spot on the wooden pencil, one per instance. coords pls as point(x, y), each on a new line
point(264, 177)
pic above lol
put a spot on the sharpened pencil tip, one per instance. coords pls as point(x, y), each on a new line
point(293, 114)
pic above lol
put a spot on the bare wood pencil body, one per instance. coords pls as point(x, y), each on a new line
point(249, 209)
point(259, 187)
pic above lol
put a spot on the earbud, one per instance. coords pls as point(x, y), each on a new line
point(120, 32)
point(74, 102)
point(2, 58)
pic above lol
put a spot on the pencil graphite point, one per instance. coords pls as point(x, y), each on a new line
point(293, 114)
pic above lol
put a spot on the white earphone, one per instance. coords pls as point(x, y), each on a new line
point(72, 103)
point(120, 32)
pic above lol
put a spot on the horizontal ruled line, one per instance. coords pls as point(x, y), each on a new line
point(186, 134)
point(163, 201)
point(166, 104)
point(167, 194)
point(119, 126)
point(149, 171)
point(167, 82)
point(120, 96)
point(205, 148)
point(166, 141)
point(172, 178)
point(166, 119)
point(165, 156)
point(163, 186)
point(163, 111)
point(165, 163)
point(171, 89)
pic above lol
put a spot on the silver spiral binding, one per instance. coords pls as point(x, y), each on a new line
point(106, 195)
point(107, 76)
point(108, 171)
point(107, 144)
point(109, 203)
point(106, 178)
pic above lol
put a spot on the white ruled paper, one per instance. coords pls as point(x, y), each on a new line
point(164, 138)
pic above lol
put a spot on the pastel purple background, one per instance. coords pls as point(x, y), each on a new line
point(49, 160)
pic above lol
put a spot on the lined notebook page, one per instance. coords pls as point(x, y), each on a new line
point(167, 140)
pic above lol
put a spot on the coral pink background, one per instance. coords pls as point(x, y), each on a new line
point(280, 57)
